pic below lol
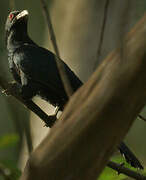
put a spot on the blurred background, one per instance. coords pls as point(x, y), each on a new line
point(77, 25)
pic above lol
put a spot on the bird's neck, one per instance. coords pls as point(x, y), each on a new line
point(17, 39)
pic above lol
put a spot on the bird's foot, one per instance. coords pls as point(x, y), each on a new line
point(13, 88)
point(51, 120)
point(121, 165)
point(18, 90)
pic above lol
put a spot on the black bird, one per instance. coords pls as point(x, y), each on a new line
point(35, 71)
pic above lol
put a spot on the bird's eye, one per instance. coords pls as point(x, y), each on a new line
point(11, 16)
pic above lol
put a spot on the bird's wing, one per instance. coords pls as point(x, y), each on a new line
point(13, 68)
point(39, 65)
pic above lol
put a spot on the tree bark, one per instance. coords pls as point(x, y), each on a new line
point(97, 117)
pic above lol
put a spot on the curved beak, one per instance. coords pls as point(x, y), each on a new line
point(22, 14)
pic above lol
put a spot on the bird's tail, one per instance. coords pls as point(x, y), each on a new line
point(129, 156)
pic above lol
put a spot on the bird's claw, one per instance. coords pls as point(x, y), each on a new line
point(121, 165)
point(12, 87)
point(6, 92)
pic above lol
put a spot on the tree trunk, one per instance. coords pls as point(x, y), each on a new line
point(81, 143)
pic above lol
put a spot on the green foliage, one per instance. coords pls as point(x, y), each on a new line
point(8, 169)
point(109, 174)
point(8, 140)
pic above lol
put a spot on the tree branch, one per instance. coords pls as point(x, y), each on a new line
point(141, 117)
point(29, 104)
point(97, 117)
point(106, 7)
point(59, 63)
point(123, 170)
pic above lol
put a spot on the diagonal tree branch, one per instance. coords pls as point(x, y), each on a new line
point(38, 111)
point(123, 170)
point(102, 32)
point(12, 90)
point(141, 117)
point(113, 97)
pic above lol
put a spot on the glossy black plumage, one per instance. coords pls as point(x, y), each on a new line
point(34, 69)
point(41, 76)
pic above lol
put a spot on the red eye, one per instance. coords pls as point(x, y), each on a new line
point(11, 16)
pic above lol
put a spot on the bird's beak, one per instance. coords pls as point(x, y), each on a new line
point(22, 14)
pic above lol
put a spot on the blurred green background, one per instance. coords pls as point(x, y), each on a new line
point(77, 24)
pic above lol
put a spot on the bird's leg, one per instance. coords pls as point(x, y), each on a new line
point(56, 110)
point(53, 117)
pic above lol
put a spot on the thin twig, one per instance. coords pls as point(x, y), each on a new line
point(59, 63)
point(121, 169)
point(106, 7)
point(141, 117)
point(122, 29)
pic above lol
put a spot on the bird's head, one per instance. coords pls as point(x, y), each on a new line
point(16, 23)
point(16, 19)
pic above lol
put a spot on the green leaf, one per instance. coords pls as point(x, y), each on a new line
point(9, 140)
